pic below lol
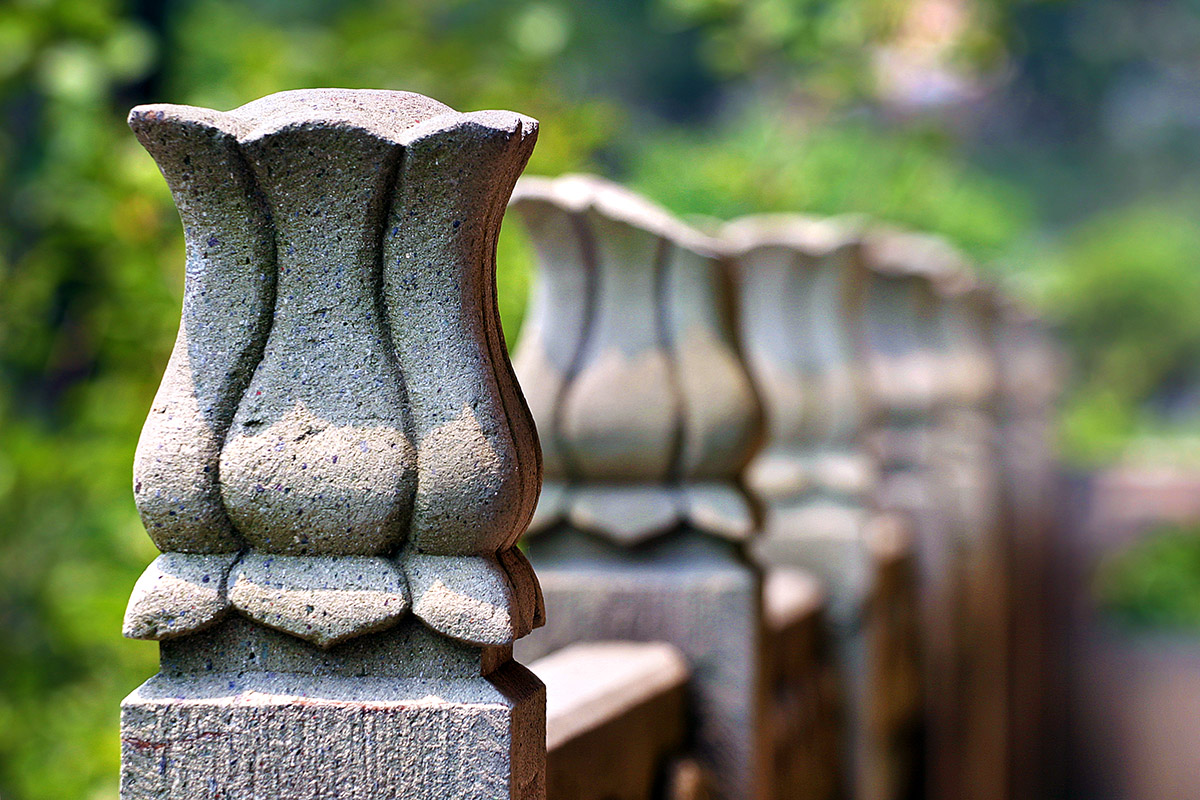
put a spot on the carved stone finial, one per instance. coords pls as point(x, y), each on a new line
point(801, 284)
point(901, 343)
point(1029, 373)
point(799, 281)
point(906, 348)
point(630, 365)
point(339, 447)
point(338, 408)
point(647, 414)
point(971, 468)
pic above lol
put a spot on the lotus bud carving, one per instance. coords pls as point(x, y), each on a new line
point(338, 440)
point(800, 283)
point(630, 362)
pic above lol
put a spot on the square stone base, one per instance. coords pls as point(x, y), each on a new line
point(271, 736)
point(694, 592)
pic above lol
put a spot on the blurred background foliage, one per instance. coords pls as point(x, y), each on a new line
point(1055, 140)
point(1154, 583)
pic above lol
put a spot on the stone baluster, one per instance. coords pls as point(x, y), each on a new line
point(967, 457)
point(800, 282)
point(970, 454)
point(1030, 372)
point(903, 348)
point(338, 462)
point(647, 418)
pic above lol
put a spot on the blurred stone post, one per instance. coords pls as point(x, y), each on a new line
point(970, 466)
point(338, 463)
point(801, 281)
point(901, 345)
point(647, 418)
point(1030, 377)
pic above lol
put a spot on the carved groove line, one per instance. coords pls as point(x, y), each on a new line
point(589, 255)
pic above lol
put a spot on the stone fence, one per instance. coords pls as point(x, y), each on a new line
point(781, 481)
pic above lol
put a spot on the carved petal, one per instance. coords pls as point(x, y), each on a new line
point(630, 434)
point(530, 603)
point(722, 416)
point(317, 461)
point(325, 600)
point(624, 514)
point(478, 463)
point(178, 593)
point(720, 509)
point(560, 308)
point(473, 598)
point(229, 289)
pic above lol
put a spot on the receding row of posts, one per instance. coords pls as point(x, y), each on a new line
point(791, 517)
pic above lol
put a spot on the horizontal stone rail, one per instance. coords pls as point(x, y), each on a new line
point(616, 718)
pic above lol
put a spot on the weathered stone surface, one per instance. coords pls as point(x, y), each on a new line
point(340, 365)
point(691, 590)
point(335, 733)
point(630, 357)
point(615, 717)
point(340, 423)
point(178, 593)
point(627, 296)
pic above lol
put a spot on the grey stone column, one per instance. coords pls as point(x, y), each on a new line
point(647, 418)
point(902, 347)
point(969, 452)
point(800, 281)
point(1030, 376)
point(338, 462)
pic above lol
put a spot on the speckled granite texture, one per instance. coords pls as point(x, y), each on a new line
point(338, 462)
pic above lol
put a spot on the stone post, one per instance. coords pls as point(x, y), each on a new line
point(647, 419)
point(1029, 378)
point(338, 462)
point(969, 453)
point(901, 345)
point(800, 282)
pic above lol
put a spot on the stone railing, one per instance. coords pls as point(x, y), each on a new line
point(616, 720)
point(791, 532)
